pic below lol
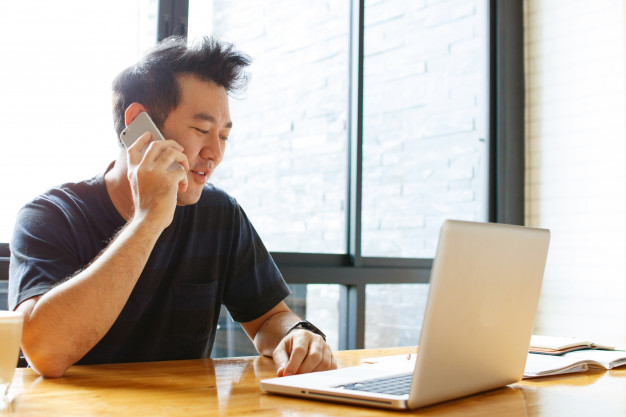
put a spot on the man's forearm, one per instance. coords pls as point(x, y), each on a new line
point(65, 323)
point(273, 330)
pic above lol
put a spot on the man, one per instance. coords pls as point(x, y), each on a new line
point(133, 264)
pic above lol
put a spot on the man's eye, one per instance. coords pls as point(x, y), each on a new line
point(204, 132)
point(224, 138)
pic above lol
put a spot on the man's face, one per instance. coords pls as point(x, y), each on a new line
point(201, 125)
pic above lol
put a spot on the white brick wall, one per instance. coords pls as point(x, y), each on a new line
point(575, 176)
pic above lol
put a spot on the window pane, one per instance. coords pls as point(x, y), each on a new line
point(425, 122)
point(287, 162)
point(59, 61)
point(317, 303)
point(394, 314)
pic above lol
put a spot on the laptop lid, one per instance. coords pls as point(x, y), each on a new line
point(479, 317)
point(481, 307)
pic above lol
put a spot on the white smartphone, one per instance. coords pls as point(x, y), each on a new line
point(142, 124)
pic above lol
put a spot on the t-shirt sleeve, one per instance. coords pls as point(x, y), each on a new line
point(41, 255)
point(254, 284)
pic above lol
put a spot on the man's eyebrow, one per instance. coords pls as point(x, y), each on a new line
point(209, 118)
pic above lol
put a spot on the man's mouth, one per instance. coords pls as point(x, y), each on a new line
point(204, 173)
point(200, 173)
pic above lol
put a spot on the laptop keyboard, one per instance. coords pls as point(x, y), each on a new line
point(394, 385)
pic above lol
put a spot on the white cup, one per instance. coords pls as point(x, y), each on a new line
point(11, 324)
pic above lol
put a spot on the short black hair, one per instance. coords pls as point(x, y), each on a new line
point(152, 81)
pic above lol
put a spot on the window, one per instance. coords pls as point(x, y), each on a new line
point(318, 303)
point(286, 162)
point(394, 314)
point(425, 143)
point(425, 122)
point(59, 61)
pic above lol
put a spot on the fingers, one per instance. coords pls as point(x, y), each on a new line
point(174, 160)
point(328, 360)
point(159, 152)
point(297, 354)
point(281, 357)
point(319, 358)
point(302, 352)
point(163, 155)
point(182, 171)
point(136, 150)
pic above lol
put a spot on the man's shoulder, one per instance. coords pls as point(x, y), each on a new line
point(70, 192)
point(66, 199)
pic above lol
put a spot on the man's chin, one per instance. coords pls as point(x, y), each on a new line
point(187, 199)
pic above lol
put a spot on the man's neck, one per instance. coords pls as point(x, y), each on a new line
point(118, 188)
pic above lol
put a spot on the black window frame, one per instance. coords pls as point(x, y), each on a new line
point(352, 271)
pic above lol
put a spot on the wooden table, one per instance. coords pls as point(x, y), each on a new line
point(230, 387)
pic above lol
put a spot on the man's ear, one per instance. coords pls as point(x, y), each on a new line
point(132, 112)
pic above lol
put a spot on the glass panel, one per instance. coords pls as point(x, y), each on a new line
point(425, 122)
point(287, 160)
point(317, 303)
point(59, 59)
point(394, 314)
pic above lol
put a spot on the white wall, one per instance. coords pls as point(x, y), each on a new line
point(575, 177)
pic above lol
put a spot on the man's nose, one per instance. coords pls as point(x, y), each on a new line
point(213, 147)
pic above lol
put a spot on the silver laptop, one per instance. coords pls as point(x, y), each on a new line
point(484, 291)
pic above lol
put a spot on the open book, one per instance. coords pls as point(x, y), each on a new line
point(576, 361)
point(556, 345)
point(537, 365)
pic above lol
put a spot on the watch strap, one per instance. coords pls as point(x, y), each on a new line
point(306, 325)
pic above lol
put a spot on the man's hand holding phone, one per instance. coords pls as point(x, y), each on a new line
point(157, 170)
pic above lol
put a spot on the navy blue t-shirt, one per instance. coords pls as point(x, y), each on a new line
point(210, 255)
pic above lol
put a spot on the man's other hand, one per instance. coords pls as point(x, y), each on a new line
point(302, 351)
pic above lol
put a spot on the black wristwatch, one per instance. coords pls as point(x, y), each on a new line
point(306, 325)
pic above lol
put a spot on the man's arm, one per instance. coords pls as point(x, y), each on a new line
point(61, 326)
point(298, 352)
